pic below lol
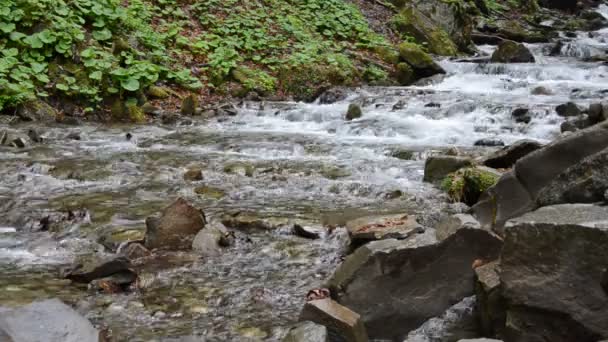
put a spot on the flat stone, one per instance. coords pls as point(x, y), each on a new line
point(48, 321)
point(93, 267)
point(176, 227)
point(371, 228)
point(342, 323)
point(307, 332)
point(451, 224)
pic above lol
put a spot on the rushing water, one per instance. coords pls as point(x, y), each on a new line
point(277, 160)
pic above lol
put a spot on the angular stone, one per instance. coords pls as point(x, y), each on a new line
point(342, 323)
point(491, 306)
point(508, 156)
point(371, 228)
point(48, 321)
point(307, 332)
point(584, 182)
point(537, 169)
point(451, 224)
point(437, 168)
point(353, 112)
point(176, 227)
point(307, 232)
point(135, 251)
point(95, 267)
point(552, 266)
point(394, 284)
point(209, 241)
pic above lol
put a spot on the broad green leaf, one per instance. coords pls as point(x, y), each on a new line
point(7, 27)
point(15, 36)
point(62, 86)
point(104, 34)
point(33, 41)
point(130, 84)
point(10, 52)
point(95, 75)
point(38, 67)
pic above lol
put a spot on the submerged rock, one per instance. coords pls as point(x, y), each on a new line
point(489, 142)
point(333, 95)
point(508, 156)
point(437, 168)
point(193, 174)
point(565, 244)
point(394, 284)
point(48, 321)
point(307, 332)
point(521, 115)
point(371, 228)
point(211, 240)
point(176, 227)
point(341, 322)
point(306, 232)
point(511, 52)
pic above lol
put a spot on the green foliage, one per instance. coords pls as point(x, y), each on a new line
point(466, 185)
point(65, 48)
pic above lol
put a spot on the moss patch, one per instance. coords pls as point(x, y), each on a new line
point(467, 185)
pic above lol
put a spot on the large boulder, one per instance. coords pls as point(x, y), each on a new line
point(436, 168)
point(512, 52)
point(416, 24)
point(371, 228)
point(522, 189)
point(176, 227)
point(553, 266)
point(394, 284)
point(342, 323)
point(508, 156)
point(48, 321)
point(419, 63)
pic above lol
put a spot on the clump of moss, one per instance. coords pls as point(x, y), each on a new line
point(467, 185)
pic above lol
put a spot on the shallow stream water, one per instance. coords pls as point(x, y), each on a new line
point(285, 162)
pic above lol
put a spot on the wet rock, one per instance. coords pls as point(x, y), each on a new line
point(128, 136)
point(169, 118)
point(459, 321)
point(371, 228)
point(575, 124)
point(433, 105)
point(73, 136)
point(306, 232)
point(116, 283)
point(34, 136)
point(3, 138)
point(211, 240)
point(566, 245)
point(189, 105)
point(116, 238)
point(489, 142)
point(176, 227)
point(36, 110)
point(334, 172)
point(393, 284)
point(508, 156)
point(353, 112)
point(342, 323)
point(333, 95)
point(521, 115)
point(403, 154)
point(307, 332)
point(226, 109)
point(540, 90)
point(135, 251)
point(597, 112)
point(19, 143)
point(399, 105)
point(512, 52)
point(150, 109)
point(437, 168)
point(49, 320)
point(421, 64)
point(250, 221)
point(585, 182)
point(89, 268)
point(491, 306)
point(193, 174)
point(516, 192)
point(449, 225)
point(568, 109)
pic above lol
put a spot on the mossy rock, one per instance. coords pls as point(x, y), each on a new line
point(412, 22)
point(157, 92)
point(136, 114)
point(240, 168)
point(403, 154)
point(254, 80)
point(467, 185)
point(210, 192)
point(189, 105)
point(36, 110)
point(512, 52)
point(405, 74)
point(422, 63)
point(354, 112)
